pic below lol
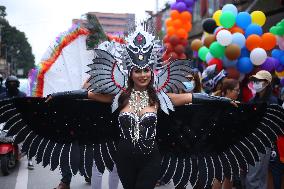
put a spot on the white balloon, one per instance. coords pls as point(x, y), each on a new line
point(209, 57)
point(258, 56)
point(239, 39)
point(224, 37)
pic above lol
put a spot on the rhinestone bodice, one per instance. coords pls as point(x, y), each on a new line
point(147, 130)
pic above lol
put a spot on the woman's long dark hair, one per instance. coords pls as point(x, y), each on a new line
point(124, 97)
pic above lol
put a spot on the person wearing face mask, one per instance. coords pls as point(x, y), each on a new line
point(193, 85)
point(257, 176)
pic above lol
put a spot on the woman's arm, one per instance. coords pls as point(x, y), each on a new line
point(106, 98)
point(180, 99)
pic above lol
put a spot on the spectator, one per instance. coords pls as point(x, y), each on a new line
point(2, 88)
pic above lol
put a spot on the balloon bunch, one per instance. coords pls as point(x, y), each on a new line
point(235, 39)
point(178, 26)
point(277, 59)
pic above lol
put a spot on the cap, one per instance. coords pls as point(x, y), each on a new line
point(263, 75)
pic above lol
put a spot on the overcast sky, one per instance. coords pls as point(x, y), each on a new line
point(43, 20)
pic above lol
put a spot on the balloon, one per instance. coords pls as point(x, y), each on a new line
point(253, 29)
point(258, 56)
point(217, 62)
point(253, 41)
point(278, 67)
point(282, 60)
point(166, 39)
point(233, 52)
point(229, 63)
point(174, 14)
point(208, 40)
point(244, 65)
point(196, 44)
point(216, 17)
point(169, 47)
point(181, 6)
point(269, 64)
point(243, 20)
point(268, 41)
point(280, 74)
point(236, 29)
point(179, 49)
point(224, 37)
point(171, 30)
point(280, 42)
point(233, 73)
point(169, 22)
point(230, 8)
point(182, 33)
point(217, 50)
point(227, 19)
point(184, 42)
point(273, 30)
point(173, 56)
point(177, 23)
point(244, 52)
point(202, 52)
point(186, 16)
point(276, 53)
point(209, 25)
point(189, 3)
point(258, 17)
point(174, 6)
point(182, 56)
point(174, 40)
point(239, 39)
point(209, 57)
point(187, 26)
point(282, 82)
point(219, 28)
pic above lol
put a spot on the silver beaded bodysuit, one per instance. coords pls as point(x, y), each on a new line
point(147, 131)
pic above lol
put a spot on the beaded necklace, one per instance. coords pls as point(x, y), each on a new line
point(137, 102)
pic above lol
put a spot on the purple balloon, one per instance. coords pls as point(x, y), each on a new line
point(278, 67)
point(269, 64)
point(174, 6)
point(179, 1)
point(190, 9)
point(282, 82)
point(189, 3)
point(181, 6)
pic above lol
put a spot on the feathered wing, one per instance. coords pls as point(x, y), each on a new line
point(206, 142)
point(70, 134)
point(170, 78)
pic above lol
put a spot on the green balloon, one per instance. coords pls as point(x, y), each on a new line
point(273, 30)
point(217, 50)
point(202, 52)
point(280, 30)
point(227, 19)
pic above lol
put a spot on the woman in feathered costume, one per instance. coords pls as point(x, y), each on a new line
point(184, 145)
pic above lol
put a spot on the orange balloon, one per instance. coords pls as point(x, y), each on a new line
point(186, 16)
point(268, 41)
point(175, 14)
point(236, 29)
point(171, 30)
point(208, 40)
point(182, 33)
point(253, 41)
point(177, 23)
point(196, 44)
point(187, 26)
point(169, 22)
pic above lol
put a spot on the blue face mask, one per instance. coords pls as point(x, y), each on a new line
point(189, 86)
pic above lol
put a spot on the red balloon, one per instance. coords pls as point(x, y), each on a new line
point(179, 49)
point(173, 56)
point(183, 42)
point(218, 63)
point(174, 40)
point(233, 73)
point(182, 56)
point(169, 47)
point(166, 39)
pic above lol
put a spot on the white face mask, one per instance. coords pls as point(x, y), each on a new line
point(258, 85)
point(189, 86)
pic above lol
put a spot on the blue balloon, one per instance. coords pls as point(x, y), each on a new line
point(243, 20)
point(276, 53)
point(174, 6)
point(230, 8)
point(244, 65)
point(282, 60)
point(239, 39)
point(189, 3)
point(229, 63)
point(253, 29)
point(244, 52)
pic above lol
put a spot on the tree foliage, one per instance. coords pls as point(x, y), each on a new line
point(15, 46)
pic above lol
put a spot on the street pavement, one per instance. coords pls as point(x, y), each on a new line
point(43, 178)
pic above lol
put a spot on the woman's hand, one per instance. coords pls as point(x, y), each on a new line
point(48, 98)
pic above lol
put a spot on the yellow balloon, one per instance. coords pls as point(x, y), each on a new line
point(279, 74)
point(258, 17)
point(216, 17)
